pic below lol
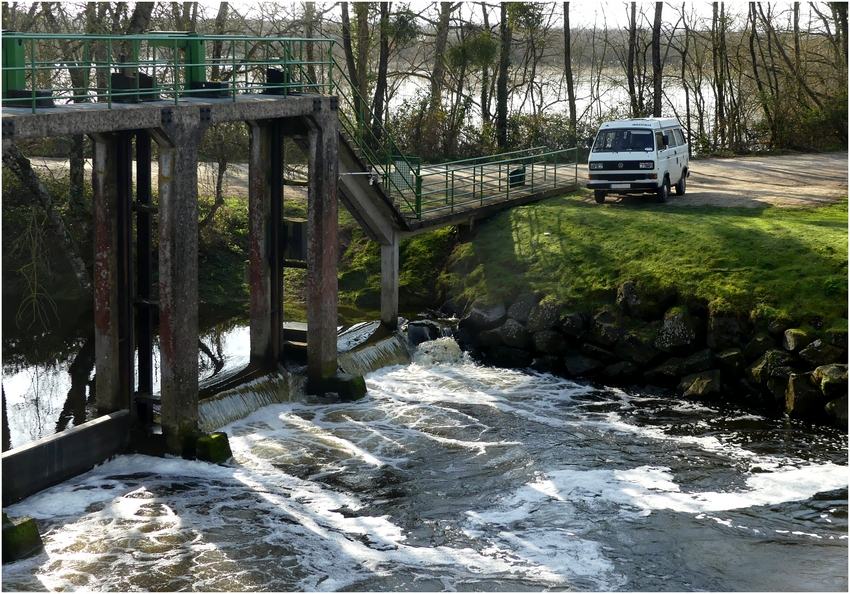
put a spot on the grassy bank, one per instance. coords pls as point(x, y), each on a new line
point(771, 262)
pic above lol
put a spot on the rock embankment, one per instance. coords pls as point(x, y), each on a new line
point(653, 340)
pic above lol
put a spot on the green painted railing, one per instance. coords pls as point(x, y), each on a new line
point(44, 70)
point(41, 70)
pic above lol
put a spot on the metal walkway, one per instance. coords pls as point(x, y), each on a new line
point(382, 187)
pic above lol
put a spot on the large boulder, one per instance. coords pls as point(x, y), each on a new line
point(777, 328)
point(420, 331)
point(620, 374)
point(802, 399)
point(522, 306)
point(795, 339)
point(758, 346)
point(731, 363)
point(724, 332)
point(503, 356)
point(633, 349)
point(831, 379)
point(572, 325)
point(777, 382)
point(821, 353)
point(606, 329)
point(705, 385)
point(489, 339)
point(836, 411)
point(678, 332)
point(698, 362)
point(483, 316)
point(666, 374)
point(597, 352)
point(581, 366)
point(549, 364)
point(549, 342)
point(544, 316)
point(837, 337)
point(759, 372)
point(515, 335)
point(636, 302)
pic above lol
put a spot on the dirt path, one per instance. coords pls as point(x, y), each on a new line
point(786, 180)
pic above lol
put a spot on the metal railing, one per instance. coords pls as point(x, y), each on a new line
point(460, 185)
point(45, 70)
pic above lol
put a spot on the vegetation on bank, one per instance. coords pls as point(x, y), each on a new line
point(772, 263)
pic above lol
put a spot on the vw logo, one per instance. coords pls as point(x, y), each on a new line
point(619, 165)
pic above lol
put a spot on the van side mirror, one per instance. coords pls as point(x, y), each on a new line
point(666, 139)
point(590, 140)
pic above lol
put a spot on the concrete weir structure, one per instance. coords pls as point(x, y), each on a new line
point(177, 130)
point(130, 92)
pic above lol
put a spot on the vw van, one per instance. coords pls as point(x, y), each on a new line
point(637, 156)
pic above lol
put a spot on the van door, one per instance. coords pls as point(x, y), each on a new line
point(665, 152)
point(674, 156)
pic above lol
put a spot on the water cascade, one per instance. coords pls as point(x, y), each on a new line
point(453, 476)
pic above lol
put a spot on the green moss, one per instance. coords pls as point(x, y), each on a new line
point(20, 538)
point(213, 448)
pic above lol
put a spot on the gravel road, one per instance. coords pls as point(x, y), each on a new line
point(785, 180)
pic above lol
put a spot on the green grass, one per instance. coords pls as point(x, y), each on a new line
point(771, 262)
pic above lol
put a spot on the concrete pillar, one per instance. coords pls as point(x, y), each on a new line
point(322, 243)
point(178, 275)
point(259, 219)
point(113, 305)
point(389, 283)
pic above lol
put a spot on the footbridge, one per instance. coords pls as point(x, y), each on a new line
point(153, 96)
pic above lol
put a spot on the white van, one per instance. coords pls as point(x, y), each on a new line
point(637, 156)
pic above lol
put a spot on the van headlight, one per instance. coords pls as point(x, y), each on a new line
point(647, 165)
point(594, 166)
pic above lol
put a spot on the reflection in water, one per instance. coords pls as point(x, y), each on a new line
point(49, 381)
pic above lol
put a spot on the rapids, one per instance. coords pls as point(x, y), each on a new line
point(450, 476)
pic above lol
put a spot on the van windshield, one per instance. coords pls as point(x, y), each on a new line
point(624, 139)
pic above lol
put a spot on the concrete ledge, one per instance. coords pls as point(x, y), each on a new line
point(51, 460)
point(89, 118)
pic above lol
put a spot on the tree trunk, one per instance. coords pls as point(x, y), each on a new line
point(438, 73)
point(22, 168)
point(220, 22)
point(657, 70)
point(568, 70)
point(348, 48)
point(630, 61)
point(763, 95)
point(383, 61)
point(309, 25)
point(502, 82)
point(485, 76)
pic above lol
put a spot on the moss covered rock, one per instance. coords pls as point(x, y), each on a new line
point(20, 538)
point(213, 448)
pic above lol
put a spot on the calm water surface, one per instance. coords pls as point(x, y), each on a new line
point(449, 476)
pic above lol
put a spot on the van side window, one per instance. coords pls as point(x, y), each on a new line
point(680, 138)
point(671, 139)
point(659, 141)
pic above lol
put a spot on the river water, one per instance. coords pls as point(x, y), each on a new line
point(450, 476)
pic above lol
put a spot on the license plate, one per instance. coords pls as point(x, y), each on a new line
point(620, 186)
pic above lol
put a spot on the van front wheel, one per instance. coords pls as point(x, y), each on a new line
point(682, 185)
point(663, 191)
point(599, 196)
